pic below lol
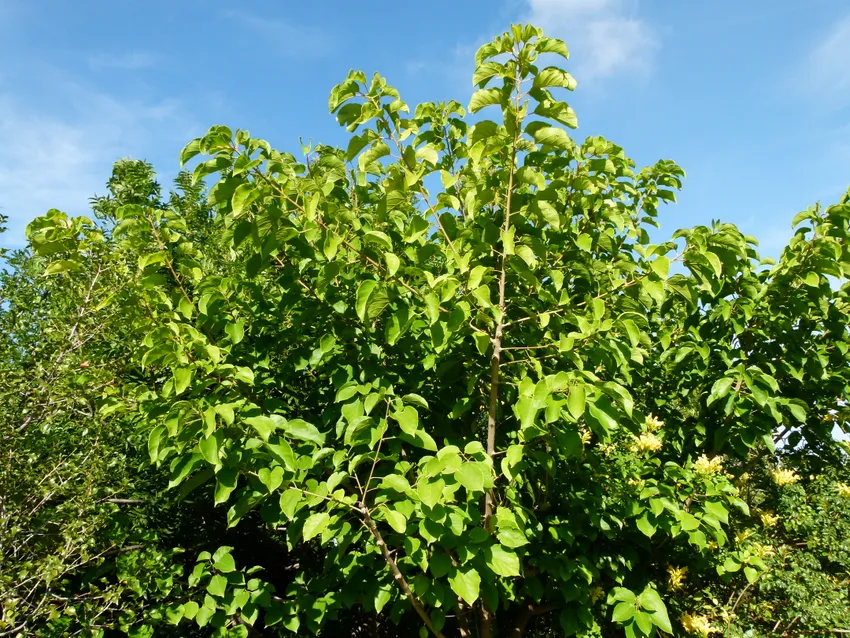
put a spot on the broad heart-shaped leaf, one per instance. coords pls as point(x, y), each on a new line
point(243, 196)
point(485, 97)
point(501, 561)
point(466, 583)
point(650, 601)
point(209, 449)
point(623, 612)
point(576, 401)
point(217, 585)
point(315, 525)
point(370, 300)
point(473, 476)
point(182, 379)
point(397, 483)
point(303, 431)
point(430, 491)
point(719, 390)
point(553, 136)
point(553, 76)
point(225, 483)
point(408, 419)
point(225, 564)
point(396, 520)
point(262, 424)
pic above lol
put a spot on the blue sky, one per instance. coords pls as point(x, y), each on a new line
point(751, 98)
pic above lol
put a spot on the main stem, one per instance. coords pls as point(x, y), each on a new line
point(492, 411)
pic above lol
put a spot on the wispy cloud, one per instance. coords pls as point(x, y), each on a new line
point(125, 61)
point(827, 70)
point(59, 159)
point(604, 36)
point(285, 38)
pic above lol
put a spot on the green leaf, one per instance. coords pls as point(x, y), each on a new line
point(623, 612)
point(576, 401)
point(182, 379)
point(501, 561)
point(303, 431)
point(553, 76)
point(235, 330)
point(408, 419)
point(289, 500)
point(217, 585)
point(430, 491)
point(660, 266)
point(440, 564)
point(225, 564)
point(243, 196)
point(645, 526)
point(719, 390)
point(396, 520)
point(370, 301)
point(393, 262)
point(473, 476)
point(225, 483)
point(485, 97)
point(466, 583)
point(397, 483)
point(209, 449)
point(375, 152)
point(61, 266)
point(263, 425)
point(315, 525)
point(155, 441)
point(553, 136)
point(651, 602)
point(552, 45)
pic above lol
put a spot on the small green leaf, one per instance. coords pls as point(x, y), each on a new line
point(485, 97)
point(472, 476)
point(430, 491)
point(396, 520)
point(660, 266)
point(263, 425)
point(303, 431)
point(466, 583)
point(217, 585)
point(501, 561)
point(393, 263)
point(576, 401)
point(315, 525)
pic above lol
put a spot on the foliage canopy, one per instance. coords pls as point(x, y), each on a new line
point(447, 371)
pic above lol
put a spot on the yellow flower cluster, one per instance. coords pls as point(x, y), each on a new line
point(647, 443)
point(596, 593)
point(653, 423)
point(763, 551)
point(677, 576)
point(696, 624)
point(705, 466)
point(769, 519)
point(785, 477)
point(585, 436)
point(843, 490)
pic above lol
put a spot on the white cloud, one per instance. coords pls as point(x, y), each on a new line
point(604, 36)
point(59, 159)
point(827, 69)
point(124, 62)
point(283, 37)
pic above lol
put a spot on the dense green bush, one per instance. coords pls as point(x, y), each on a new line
point(438, 381)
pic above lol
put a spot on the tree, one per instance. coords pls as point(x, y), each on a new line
point(448, 365)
